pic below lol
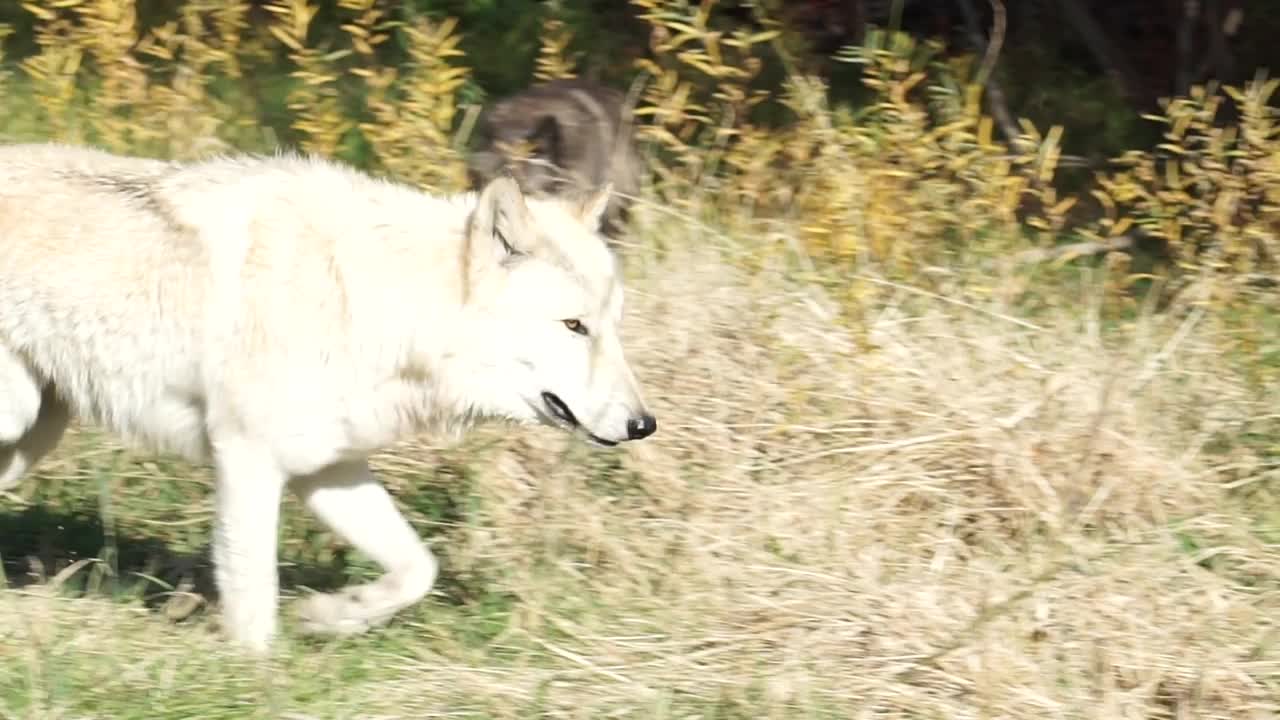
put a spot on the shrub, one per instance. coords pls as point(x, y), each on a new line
point(908, 183)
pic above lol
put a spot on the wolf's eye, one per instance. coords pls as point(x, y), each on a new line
point(576, 326)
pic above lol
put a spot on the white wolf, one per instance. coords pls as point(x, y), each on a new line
point(286, 317)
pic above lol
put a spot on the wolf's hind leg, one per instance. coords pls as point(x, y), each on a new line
point(351, 502)
point(32, 418)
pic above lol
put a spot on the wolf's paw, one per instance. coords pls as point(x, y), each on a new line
point(349, 611)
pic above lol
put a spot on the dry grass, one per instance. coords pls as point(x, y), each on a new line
point(909, 490)
point(979, 515)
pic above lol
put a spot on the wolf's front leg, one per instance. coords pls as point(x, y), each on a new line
point(249, 487)
point(351, 501)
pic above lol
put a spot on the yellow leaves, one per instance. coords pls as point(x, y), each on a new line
point(895, 180)
point(985, 126)
point(365, 32)
point(1104, 199)
point(413, 106)
point(1030, 131)
point(1224, 207)
point(51, 64)
point(685, 34)
point(1119, 227)
point(363, 39)
point(899, 91)
point(294, 18)
point(319, 116)
point(753, 39)
point(552, 62)
point(100, 77)
point(42, 13)
point(1061, 207)
point(1050, 151)
point(698, 98)
point(1204, 190)
point(286, 37)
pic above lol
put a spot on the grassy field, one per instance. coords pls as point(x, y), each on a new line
point(972, 512)
point(892, 478)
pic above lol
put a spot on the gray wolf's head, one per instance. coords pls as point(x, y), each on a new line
point(543, 302)
point(556, 138)
point(531, 149)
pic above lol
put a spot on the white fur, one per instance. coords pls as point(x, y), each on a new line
point(287, 317)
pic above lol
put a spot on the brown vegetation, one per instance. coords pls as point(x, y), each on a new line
point(905, 468)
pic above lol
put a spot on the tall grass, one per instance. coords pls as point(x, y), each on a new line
point(903, 470)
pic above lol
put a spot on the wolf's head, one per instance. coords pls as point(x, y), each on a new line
point(530, 148)
point(559, 138)
point(543, 303)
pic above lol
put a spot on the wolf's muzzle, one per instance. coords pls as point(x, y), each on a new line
point(641, 427)
point(561, 412)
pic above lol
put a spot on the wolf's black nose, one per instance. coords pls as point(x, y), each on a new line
point(641, 427)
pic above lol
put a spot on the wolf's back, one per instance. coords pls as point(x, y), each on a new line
point(100, 292)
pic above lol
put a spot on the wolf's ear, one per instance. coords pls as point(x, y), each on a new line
point(545, 138)
point(501, 224)
point(591, 208)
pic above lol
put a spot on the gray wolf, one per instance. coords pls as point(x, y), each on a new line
point(285, 317)
point(559, 138)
